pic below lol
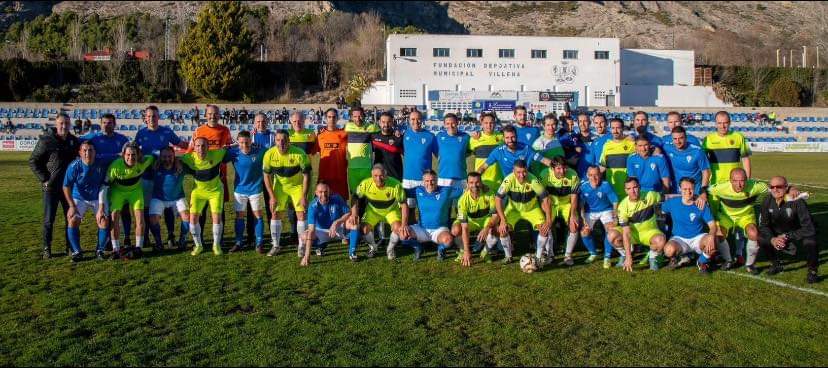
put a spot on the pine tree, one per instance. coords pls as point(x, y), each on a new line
point(215, 54)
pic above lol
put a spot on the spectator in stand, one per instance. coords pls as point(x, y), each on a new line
point(77, 127)
point(9, 127)
point(243, 116)
point(87, 126)
point(196, 114)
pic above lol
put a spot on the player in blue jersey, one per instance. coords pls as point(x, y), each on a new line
point(511, 151)
point(247, 162)
point(651, 170)
point(452, 149)
point(82, 189)
point(167, 194)
point(434, 205)
point(419, 146)
point(603, 134)
point(598, 203)
point(688, 228)
point(328, 216)
point(526, 133)
point(588, 143)
point(674, 121)
point(641, 125)
point(687, 160)
point(261, 135)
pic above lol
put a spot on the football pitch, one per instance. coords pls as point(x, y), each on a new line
point(246, 309)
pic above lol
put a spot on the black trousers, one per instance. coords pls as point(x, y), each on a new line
point(51, 200)
point(811, 247)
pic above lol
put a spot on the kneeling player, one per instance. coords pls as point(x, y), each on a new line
point(434, 205)
point(382, 198)
point(688, 228)
point(82, 189)
point(168, 192)
point(599, 203)
point(328, 215)
point(527, 201)
point(476, 214)
point(562, 185)
point(637, 218)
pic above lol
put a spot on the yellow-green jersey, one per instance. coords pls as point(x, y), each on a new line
point(381, 199)
point(481, 147)
point(560, 189)
point(470, 209)
point(614, 158)
point(641, 214)
point(124, 178)
point(726, 201)
point(725, 153)
point(205, 172)
point(359, 145)
point(548, 148)
point(304, 139)
point(523, 197)
point(287, 168)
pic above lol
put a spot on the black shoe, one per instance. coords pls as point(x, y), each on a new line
point(116, 254)
point(158, 247)
point(47, 254)
point(137, 252)
point(170, 244)
point(813, 277)
point(77, 257)
point(237, 248)
point(775, 268)
point(99, 255)
point(182, 246)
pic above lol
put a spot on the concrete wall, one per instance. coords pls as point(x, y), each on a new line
point(657, 67)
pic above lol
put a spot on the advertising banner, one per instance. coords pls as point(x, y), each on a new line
point(499, 105)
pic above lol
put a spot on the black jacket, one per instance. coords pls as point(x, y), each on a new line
point(791, 218)
point(51, 157)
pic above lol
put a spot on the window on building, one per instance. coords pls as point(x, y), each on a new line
point(408, 51)
point(601, 55)
point(408, 93)
point(474, 53)
point(538, 54)
point(506, 53)
point(570, 54)
point(600, 95)
point(441, 52)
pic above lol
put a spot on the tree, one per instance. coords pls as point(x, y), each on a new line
point(784, 92)
point(215, 54)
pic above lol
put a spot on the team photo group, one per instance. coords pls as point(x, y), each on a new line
point(566, 183)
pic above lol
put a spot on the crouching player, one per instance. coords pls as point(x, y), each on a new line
point(688, 228)
point(733, 201)
point(599, 203)
point(328, 216)
point(637, 218)
point(82, 189)
point(381, 198)
point(527, 201)
point(434, 205)
point(562, 185)
point(476, 215)
point(168, 192)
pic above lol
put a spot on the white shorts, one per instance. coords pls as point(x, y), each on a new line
point(457, 184)
point(83, 205)
point(409, 186)
point(240, 201)
point(322, 235)
point(604, 216)
point(424, 235)
point(158, 206)
point(689, 244)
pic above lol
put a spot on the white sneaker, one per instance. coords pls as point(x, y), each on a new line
point(274, 251)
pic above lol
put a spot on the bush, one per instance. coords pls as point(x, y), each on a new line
point(784, 92)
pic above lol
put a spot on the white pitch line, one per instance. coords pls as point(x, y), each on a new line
point(819, 213)
point(780, 283)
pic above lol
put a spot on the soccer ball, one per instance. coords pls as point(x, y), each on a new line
point(528, 263)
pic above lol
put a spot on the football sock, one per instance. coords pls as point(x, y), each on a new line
point(491, 242)
point(301, 226)
point(752, 252)
point(259, 229)
point(185, 229)
point(155, 230)
point(589, 244)
point(571, 241)
point(353, 240)
point(540, 245)
point(216, 235)
point(195, 230)
point(724, 249)
point(239, 230)
point(275, 231)
point(139, 241)
point(116, 245)
point(370, 239)
point(73, 233)
point(608, 248)
point(102, 234)
point(507, 246)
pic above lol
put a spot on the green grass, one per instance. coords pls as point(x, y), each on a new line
point(245, 309)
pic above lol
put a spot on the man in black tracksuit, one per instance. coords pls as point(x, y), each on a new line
point(783, 222)
point(55, 150)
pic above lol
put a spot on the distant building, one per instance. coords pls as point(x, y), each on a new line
point(106, 55)
point(470, 72)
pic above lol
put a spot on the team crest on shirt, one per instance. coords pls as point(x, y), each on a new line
point(528, 136)
point(626, 147)
point(565, 182)
point(387, 195)
point(652, 166)
point(692, 217)
point(689, 158)
point(422, 141)
point(600, 194)
point(732, 142)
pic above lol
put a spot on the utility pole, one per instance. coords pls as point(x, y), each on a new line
point(167, 39)
point(792, 59)
point(804, 57)
point(777, 58)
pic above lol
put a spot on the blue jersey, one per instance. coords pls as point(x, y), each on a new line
point(168, 185)
point(419, 147)
point(107, 149)
point(597, 199)
point(434, 207)
point(655, 140)
point(598, 147)
point(452, 152)
point(152, 141)
point(505, 158)
point(264, 140)
point(527, 134)
point(248, 169)
point(649, 171)
point(688, 219)
point(85, 180)
point(689, 162)
point(322, 216)
point(691, 140)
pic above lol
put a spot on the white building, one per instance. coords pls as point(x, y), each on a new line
point(465, 72)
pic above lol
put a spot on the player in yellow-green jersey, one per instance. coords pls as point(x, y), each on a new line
point(732, 203)
point(637, 219)
point(726, 150)
point(527, 200)
point(204, 166)
point(476, 214)
point(614, 155)
point(482, 146)
point(359, 148)
point(287, 173)
point(123, 186)
point(563, 186)
point(381, 199)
